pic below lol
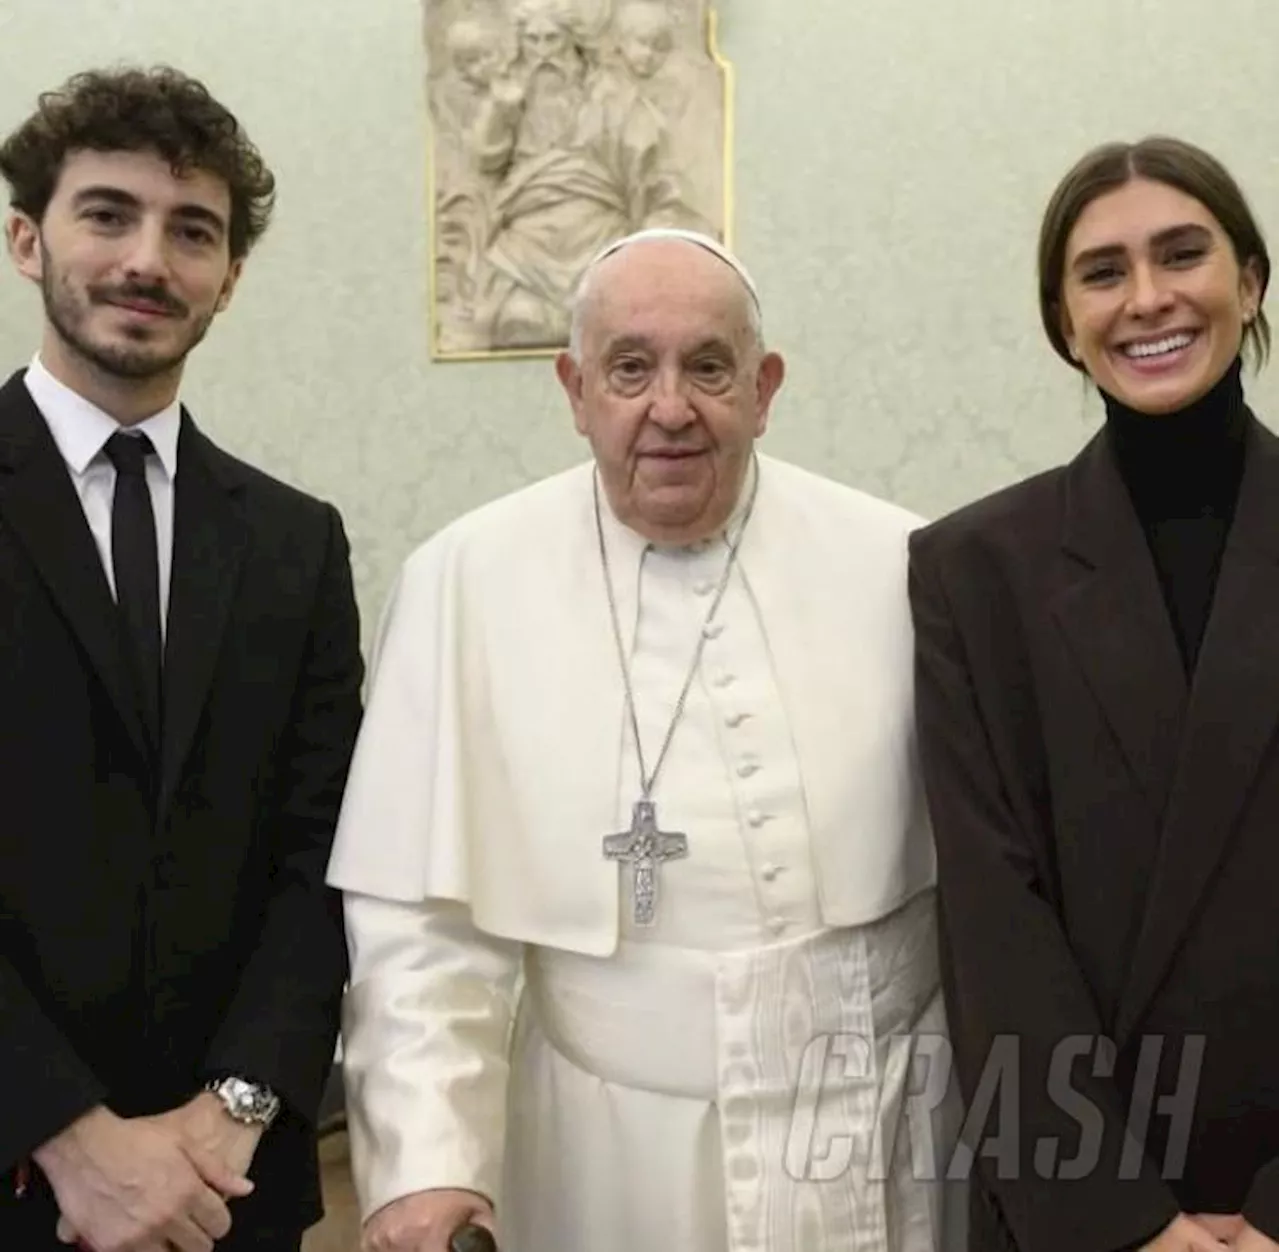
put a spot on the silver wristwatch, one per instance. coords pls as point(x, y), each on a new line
point(249, 1103)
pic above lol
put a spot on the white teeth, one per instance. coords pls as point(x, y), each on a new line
point(1170, 344)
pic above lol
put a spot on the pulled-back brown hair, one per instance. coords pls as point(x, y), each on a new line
point(1177, 164)
point(131, 110)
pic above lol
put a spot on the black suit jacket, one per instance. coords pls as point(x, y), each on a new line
point(162, 921)
point(1107, 854)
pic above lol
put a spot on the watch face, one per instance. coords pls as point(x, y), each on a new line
point(247, 1102)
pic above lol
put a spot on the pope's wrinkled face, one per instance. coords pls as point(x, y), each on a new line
point(671, 388)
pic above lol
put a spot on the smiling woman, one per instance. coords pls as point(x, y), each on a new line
point(1096, 676)
point(1152, 272)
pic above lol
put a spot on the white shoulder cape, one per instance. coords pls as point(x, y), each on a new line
point(486, 770)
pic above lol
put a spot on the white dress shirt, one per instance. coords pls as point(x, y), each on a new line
point(81, 430)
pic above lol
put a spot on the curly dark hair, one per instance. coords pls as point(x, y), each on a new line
point(160, 110)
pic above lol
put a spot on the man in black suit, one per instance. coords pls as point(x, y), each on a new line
point(179, 696)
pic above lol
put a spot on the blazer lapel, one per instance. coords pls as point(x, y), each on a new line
point(1231, 719)
point(209, 537)
point(39, 502)
point(1112, 611)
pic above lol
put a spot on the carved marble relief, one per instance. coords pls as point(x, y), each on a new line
point(557, 126)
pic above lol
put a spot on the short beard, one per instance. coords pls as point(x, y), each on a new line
point(136, 364)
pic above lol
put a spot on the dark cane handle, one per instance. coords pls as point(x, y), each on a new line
point(472, 1239)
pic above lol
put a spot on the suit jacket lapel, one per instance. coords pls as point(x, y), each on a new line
point(209, 537)
point(38, 500)
point(1112, 611)
point(1230, 721)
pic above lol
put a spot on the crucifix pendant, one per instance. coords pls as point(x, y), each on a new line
point(644, 847)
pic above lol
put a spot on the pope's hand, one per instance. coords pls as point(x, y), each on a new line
point(424, 1221)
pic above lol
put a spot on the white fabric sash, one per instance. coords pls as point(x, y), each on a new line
point(805, 1047)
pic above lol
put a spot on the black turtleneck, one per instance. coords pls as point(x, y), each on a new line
point(1183, 472)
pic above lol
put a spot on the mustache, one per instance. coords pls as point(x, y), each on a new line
point(158, 296)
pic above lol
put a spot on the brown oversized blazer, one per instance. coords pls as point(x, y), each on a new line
point(1107, 856)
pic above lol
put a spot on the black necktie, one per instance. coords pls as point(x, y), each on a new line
point(137, 570)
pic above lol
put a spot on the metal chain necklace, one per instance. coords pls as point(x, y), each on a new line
point(644, 847)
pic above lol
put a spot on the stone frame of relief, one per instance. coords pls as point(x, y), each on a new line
point(557, 126)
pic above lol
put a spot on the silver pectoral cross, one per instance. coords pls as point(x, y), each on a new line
point(644, 847)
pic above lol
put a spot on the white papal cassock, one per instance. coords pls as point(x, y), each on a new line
point(740, 1075)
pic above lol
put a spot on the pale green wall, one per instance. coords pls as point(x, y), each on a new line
point(892, 160)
